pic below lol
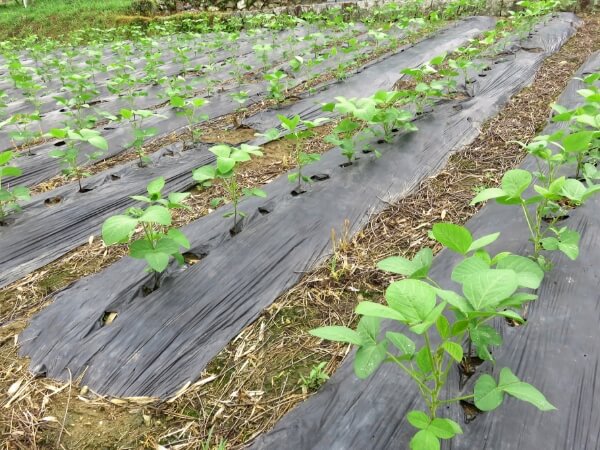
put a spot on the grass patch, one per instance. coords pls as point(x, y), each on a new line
point(55, 18)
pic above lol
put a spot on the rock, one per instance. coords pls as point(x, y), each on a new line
point(241, 4)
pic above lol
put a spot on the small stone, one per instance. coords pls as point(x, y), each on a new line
point(241, 4)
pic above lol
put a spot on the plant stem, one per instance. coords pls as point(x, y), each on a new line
point(456, 399)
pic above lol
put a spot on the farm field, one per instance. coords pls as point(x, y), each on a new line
point(343, 229)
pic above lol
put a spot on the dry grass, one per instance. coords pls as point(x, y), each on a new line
point(254, 380)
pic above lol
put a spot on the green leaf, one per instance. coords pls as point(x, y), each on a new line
point(455, 300)
point(452, 236)
point(368, 358)
point(157, 261)
point(156, 214)
point(418, 419)
point(444, 428)
point(516, 181)
point(372, 309)
point(424, 440)
point(488, 194)
point(487, 289)
point(204, 173)
point(417, 268)
point(578, 142)
point(224, 165)
point(443, 327)
point(5, 157)
point(423, 359)
point(178, 236)
point(155, 186)
point(98, 142)
point(117, 229)
point(510, 384)
point(467, 267)
point(414, 299)
point(487, 394)
point(454, 350)
point(401, 342)
point(529, 273)
point(338, 334)
point(483, 241)
point(10, 171)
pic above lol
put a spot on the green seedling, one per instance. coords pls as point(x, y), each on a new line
point(22, 135)
point(140, 133)
point(315, 379)
point(417, 306)
point(297, 131)
point(367, 118)
point(70, 155)
point(189, 108)
point(10, 197)
point(553, 194)
point(240, 98)
point(159, 241)
point(277, 87)
point(226, 170)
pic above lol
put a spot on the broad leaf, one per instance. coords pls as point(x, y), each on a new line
point(338, 334)
point(118, 228)
point(453, 236)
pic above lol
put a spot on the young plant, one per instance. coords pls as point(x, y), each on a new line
point(315, 379)
point(240, 98)
point(417, 305)
point(140, 133)
point(159, 241)
point(70, 156)
point(277, 87)
point(297, 131)
point(189, 108)
point(9, 198)
point(226, 170)
point(553, 195)
point(368, 118)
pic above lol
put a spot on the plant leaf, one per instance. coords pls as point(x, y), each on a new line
point(453, 236)
point(338, 334)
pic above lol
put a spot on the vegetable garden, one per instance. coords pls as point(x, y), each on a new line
point(162, 193)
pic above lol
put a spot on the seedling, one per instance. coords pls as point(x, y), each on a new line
point(298, 131)
point(240, 98)
point(417, 305)
point(277, 88)
point(369, 117)
point(159, 241)
point(70, 156)
point(189, 108)
point(227, 171)
point(9, 198)
point(315, 379)
point(553, 193)
point(23, 135)
point(136, 117)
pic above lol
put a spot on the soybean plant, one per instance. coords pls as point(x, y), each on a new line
point(439, 319)
point(584, 119)
point(277, 88)
point(70, 156)
point(553, 194)
point(375, 116)
point(298, 131)
point(136, 117)
point(189, 108)
point(9, 198)
point(227, 171)
point(159, 240)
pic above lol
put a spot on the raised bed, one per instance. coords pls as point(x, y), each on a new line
point(556, 350)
